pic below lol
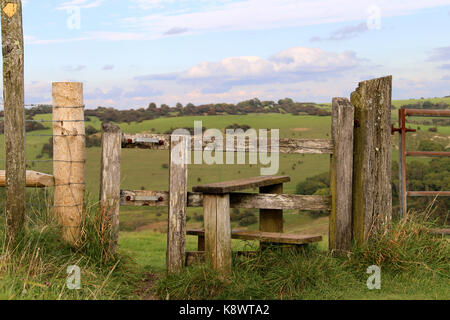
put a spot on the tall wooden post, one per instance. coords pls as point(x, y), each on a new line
point(110, 180)
point(216, 213)
point(372, 189)
point(340, 226)
point(13, 94)
point(69, 156)
point(178, 175)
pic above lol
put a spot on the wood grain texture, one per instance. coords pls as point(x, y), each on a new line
point(69, 155)
point(194, 257)
point(271, 220)
point(13, 95)
point(372, 190)
point(286, 145)
point(237, 200)
point(34, 179)
point(110, 181)
point(178, 175)
point(340, 226)
point(216, 210)
point(272, 237)
point(241, 184)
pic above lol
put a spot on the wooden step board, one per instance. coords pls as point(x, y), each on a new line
point(265, 236)
point(241, 184)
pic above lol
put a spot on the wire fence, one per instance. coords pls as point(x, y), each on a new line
point(70, 161)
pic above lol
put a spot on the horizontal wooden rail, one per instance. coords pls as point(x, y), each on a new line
point(34, 179)
point(286, 145)
point(444, 232)
point(272, 237)
point(237, 200)
point(423, 112)
point(428, 154)
point(193, 257)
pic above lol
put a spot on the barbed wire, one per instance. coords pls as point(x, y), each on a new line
point(70, 184)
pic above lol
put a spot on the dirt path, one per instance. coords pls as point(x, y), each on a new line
point(146, 290)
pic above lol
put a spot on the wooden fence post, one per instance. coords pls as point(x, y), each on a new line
point(69, 157)
point(110, 181)
point(340, 226)
point(372, 189)
point(178, 175)
point(216, 211)
point(13, 90)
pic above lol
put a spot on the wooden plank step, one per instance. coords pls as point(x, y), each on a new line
point(241, 184)
point(273, 237)
point(193, 257)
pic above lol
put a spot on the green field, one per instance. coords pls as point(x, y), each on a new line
point(142, 228)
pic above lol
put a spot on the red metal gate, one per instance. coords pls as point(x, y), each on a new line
point(403, 193)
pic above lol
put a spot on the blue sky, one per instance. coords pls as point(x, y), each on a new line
point(130, 53)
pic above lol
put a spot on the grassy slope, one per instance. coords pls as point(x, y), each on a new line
point(414, 265)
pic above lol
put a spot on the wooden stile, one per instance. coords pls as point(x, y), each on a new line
point(176, 235)
point(340, 226)
point(110, 180)
point(372, 190)
point(69, 157)
point(13, 90)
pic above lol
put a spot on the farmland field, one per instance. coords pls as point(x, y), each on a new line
point(142, 227)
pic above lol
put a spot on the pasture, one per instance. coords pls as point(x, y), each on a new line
point(142, 227)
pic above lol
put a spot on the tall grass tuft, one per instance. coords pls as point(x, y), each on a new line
point(36, 267)
point(414, 265)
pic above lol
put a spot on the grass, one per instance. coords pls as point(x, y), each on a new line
point(36, 266)
point(414, 265)
point(412, 262)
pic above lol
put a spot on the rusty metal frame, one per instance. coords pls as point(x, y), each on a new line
point(403, 130)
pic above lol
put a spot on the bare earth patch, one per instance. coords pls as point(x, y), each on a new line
point(146, 290)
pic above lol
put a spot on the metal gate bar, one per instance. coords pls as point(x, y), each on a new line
point(403, 193)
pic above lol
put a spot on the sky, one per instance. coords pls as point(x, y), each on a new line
point(129, 53)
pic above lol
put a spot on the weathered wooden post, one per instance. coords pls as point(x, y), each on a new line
point(69, 157)
point(216, 211)
point(372, 190)
point(110, 180)
point(178, 175)
point(13, 91)
point(340, 226)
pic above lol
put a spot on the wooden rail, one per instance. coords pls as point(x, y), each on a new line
point(33, 179)
point(286, 145)
point(138, 198)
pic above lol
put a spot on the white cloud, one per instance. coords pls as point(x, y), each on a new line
point(261, 14)
point(297, 63)
point(84, 4)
